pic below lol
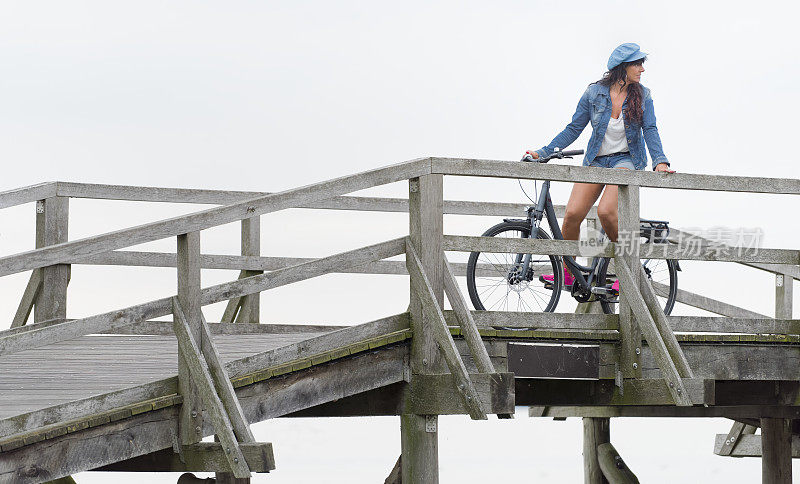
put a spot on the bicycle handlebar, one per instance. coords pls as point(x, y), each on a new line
point(556, 154)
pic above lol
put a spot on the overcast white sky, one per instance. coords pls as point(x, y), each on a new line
point(251, 95)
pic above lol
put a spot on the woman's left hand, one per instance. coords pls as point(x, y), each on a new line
point(664, 167)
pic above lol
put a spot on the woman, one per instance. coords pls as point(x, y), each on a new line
point(621, 112)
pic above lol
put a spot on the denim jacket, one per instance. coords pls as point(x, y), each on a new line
point(595, 106)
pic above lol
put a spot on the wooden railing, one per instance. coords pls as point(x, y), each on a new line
point(51, 259)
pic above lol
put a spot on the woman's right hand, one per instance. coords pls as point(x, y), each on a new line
point(533, 154)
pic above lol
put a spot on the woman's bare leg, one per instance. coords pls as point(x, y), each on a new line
point(607, 210)
point(580, 202)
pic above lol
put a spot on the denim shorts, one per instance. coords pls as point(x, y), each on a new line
point(613, 161)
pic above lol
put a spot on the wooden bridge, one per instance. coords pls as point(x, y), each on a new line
point(76, 394)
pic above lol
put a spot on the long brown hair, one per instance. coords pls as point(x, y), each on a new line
point(618, 76)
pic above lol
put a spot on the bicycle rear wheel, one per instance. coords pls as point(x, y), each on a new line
point(663, 276)
point(491, 282)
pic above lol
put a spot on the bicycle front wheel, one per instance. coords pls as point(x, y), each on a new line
point(493, 282)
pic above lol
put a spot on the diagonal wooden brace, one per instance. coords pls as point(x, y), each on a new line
point(648, 326)
point(663, 326)
point(205, 385)
point(442, 335)
point(225, 390)
point(465, 320)
point(28, 299)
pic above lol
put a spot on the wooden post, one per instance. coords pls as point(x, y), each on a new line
point(776, 451)
point(52, 220)
point(419, 434)
point(191, 417)
point(420, 449)
point(783, 296)
point(628, 249)
point(251, 245)
point(596, 431)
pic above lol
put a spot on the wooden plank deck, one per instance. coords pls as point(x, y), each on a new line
point(96, 364)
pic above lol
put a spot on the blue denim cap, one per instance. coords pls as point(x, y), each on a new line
point(627, 52)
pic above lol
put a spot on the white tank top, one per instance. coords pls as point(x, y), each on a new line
point(615, 140)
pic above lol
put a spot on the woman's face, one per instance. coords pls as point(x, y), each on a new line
point(634, 72)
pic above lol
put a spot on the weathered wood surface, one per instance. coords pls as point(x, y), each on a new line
point(164, 328)
point(749, 445)
point(663, 345)
point(238, 262)
point(30, 337)
point(224, 197)
point(441, 334)
point(191, 414)
point(29, 297)
point(209, 218)
point(465, 320)
point(707, 303)
point(581, 174)
point(676, 235)
point(198, 370)
point(222, 384)
point(201, 457)
point(776, 451)
point(52, 227)
point(607, 411)
point(94, 365)
point(32, 193)
point(783, 296)
point(630, 334)
point(596, 431)
point(438, 395)
point(154, 430)
point(734, 434)
point(614, 468)
point(464, 243)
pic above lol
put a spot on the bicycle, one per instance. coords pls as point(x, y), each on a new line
point(495, 279)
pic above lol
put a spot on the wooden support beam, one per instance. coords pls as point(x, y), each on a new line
point(199, 457)
point(662, 325)
point(614, 468)
point(742, 411)
point(441, 334)
point(707, 303)
point(200, 375)
point(28, 299)
point(395, 474)
point(628, 238)
point(223, 386)
point(732, 439)
point(749, 445)
point(14, 341)
point(251, 247)
point(188, 250)
point(464, 317)
point(631, 294)
point(437, 394)
point(776, 448)
point(197, 221)
point(234, 305)
point(596, 431)
point(642, 178)
point(503, 245)
point(52, 222)
point(420, 449)
point(32, 193)
point(419, 433)
point(783, 296)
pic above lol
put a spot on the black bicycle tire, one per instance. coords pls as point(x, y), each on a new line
point(524, 228)
point(672, 266)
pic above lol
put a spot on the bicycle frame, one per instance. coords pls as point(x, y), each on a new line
point(544, 207)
